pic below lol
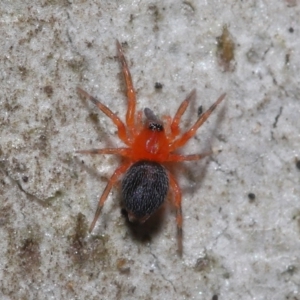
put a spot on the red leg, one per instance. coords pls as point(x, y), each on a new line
point(179, 158)
point(130, 89)
point(119, 171)
point(177, 202)
point(182, 108)
point(139, 120)
point(120, 125)
point(125, 152)
point(192, 131)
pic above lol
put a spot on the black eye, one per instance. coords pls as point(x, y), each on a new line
point(155, 127)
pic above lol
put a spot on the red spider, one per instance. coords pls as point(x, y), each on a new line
point(149, 145)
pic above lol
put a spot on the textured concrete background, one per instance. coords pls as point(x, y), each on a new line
point(241, 206)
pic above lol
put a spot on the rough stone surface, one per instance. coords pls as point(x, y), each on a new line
point(241, 206)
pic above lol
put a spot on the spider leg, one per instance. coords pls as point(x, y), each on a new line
point(178, 157)
point(114, 178)
point(182, 108)
point(139, 120)
point(125, 152)
point(120, 125)
point(130, 89)
point(167, 121)
point(192, 131)
point(177, 201)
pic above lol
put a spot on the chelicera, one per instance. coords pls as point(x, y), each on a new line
point(150, 145)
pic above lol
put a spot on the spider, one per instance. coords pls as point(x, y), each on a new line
point(150, 144)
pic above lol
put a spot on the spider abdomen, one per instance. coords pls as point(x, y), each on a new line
point(144, 189)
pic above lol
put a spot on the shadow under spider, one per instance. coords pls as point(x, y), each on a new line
point(144, 232)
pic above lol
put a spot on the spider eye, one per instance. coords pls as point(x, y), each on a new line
point(155, 127)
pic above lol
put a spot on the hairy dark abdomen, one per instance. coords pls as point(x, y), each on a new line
point(144, 189)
